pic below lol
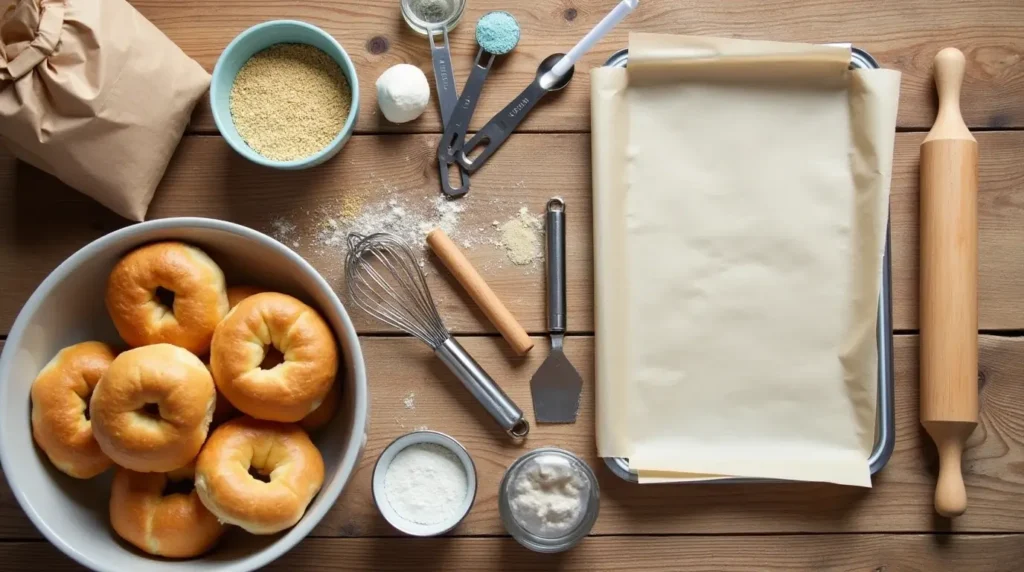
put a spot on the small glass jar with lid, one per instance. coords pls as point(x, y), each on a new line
point(427, 17)
point(548, 500)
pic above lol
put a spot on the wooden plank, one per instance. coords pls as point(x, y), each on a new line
point(792, 553)
point(402, 369)
point(901, 35)
point(43, 222)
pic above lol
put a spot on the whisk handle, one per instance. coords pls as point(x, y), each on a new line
point(502, 409)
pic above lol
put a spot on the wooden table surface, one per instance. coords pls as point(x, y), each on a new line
point(696, 527)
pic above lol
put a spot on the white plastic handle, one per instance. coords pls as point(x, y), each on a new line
point(593, 36)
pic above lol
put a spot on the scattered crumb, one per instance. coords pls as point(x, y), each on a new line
point(350, 207)
point(283, 226)
point(520, 237)
point(410, 401)
point(284, 231)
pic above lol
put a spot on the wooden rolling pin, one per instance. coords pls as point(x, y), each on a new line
point(949, 283)
point(463, 271)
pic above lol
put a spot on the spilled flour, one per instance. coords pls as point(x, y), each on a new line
point(323, 232)
point(520, 237)
point(410, 220)
point(284, 231)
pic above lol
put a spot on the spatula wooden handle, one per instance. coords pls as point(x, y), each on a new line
point(949, 283)
point(463, 271)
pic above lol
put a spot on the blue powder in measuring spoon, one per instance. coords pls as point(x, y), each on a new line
point(497, 32)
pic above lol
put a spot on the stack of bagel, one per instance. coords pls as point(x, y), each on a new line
point(196, 445)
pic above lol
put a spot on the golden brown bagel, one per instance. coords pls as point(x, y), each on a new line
point(322, 415)
point(60, 401)
point(151, 411)
point(200, 298)
point(238, 293)
point(286, 392)
point(174, 525)
point(281, 452)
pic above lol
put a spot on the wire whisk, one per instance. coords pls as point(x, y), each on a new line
point(385, 281)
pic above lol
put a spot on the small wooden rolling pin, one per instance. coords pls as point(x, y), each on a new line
point(489, 303)
point(949, 283)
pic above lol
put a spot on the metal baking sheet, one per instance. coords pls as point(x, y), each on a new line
point(885, 431)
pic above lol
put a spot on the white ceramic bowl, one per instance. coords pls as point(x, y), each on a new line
point(68, 308)
point(384, 462)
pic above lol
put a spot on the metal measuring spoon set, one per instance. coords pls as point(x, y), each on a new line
point(497, 33)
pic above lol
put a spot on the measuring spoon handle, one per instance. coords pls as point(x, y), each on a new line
point(447, 97)
point(455, 128)
point(444, 77)
point(498, 129)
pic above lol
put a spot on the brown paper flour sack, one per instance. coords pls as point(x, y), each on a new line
point(95, 94)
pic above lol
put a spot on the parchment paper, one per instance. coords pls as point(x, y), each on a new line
point(741, 341)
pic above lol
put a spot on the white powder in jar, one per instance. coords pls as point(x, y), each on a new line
point(548, 496)
point(426, 484)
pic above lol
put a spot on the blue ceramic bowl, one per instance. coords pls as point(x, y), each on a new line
point(247, 44)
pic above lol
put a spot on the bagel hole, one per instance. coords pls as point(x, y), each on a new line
point(151, 410)
point(272, 357)
point(182, 487)
point(85, 410)
point(258, 475)
point(164, 296)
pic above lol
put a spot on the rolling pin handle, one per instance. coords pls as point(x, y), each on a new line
point(950, 492)
point(950, 66)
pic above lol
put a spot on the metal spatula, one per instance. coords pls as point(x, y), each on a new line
point(556, 386)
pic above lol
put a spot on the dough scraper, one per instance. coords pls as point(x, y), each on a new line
point(556, 387)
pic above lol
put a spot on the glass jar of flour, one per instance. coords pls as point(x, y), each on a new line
point(548, 500)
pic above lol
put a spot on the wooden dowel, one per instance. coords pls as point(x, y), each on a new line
point(463, 271)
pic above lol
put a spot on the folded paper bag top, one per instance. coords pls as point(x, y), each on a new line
point(94, 94)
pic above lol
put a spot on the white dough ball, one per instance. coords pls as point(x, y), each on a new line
point(402, 93)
